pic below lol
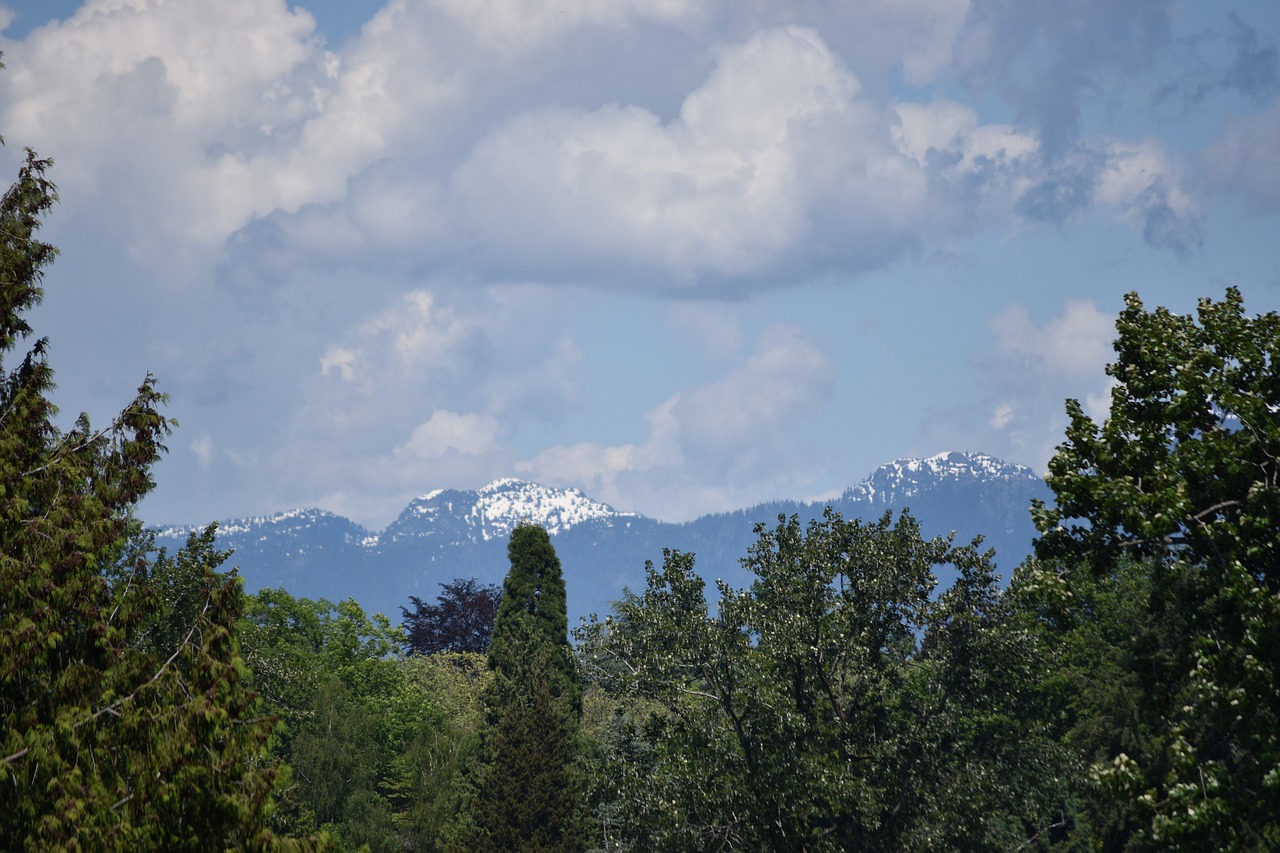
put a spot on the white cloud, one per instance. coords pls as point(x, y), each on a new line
point(1144, 186)
point(446, 431)
point(342, 240)
point(340, 359)
point(403, 149)
point(948, 127)
point(975, 169)
point(191, 78)
point(235, 109)
point(1024, 377)
point(1001, 171)
point(427, 391)
point(1075, 344)
point(726, 443)
point(730, 188)
point(203, 448)
point(514, 26)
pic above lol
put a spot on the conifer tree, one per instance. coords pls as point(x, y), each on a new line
point(533, 610)
point(111, 736)
point(528, 798)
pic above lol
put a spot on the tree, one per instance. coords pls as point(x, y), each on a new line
point(527, 796)
point(107, 739)
point(833, 705)
point(358, 723)
point(533, 609)
point(1181, 480)
point(528, 801)
point(461, 620)
point(430, 779)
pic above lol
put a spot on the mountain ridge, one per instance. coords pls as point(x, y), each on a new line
point(449, 533)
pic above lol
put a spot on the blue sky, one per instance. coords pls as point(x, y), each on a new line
point(686, 255)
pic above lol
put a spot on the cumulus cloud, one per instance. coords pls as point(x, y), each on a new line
point(999, 170)
point(778, 165)
point(197, 89)
point(1139, 181)
point(728, 442)
point(427, 390)
point(446, 431)
point(1025, 375)
point(727, 189)
point(375, 249)
point(975, 169)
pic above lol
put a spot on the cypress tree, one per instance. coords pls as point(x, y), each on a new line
point(533, 610)
point(528, 798)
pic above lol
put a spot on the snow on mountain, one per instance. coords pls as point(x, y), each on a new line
point(294, 521)
point(451, 533)
point(906, 478)
point(505, 503)
point(493, 511)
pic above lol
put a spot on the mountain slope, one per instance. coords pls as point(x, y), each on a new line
point(452, 533)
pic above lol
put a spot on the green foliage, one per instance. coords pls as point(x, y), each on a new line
point(430, 784)
point(528, 798)
point(1182, 479)
point(125, 722)
point(533, 611)
point(809, 713)
point(358, 722)
point(527, 794)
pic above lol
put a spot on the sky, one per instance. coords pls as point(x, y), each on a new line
point(684, 255)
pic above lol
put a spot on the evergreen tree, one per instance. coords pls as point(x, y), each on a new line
point(533, 600)
point(528, 798)
point(115, 732)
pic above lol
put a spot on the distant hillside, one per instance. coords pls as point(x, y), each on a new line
point(451, 533)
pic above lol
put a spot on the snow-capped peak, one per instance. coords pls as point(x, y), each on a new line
point(508, 502)
point(451, 515)
point(904, 478)
point(293, 518)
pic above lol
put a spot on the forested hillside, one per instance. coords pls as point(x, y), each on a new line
point(1121, 692)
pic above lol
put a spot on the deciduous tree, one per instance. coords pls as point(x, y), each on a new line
point(1182, 479)
point(833, 705)
point(461, 620)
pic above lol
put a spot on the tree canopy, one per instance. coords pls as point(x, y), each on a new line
point(833, 705)
point(461, 620)
point(1181, 480)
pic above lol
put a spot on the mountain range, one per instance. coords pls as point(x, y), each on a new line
point(448, 534)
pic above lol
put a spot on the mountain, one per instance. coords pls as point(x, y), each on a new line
point(449, 534)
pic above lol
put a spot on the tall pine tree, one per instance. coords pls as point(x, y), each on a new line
point(528, 798)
